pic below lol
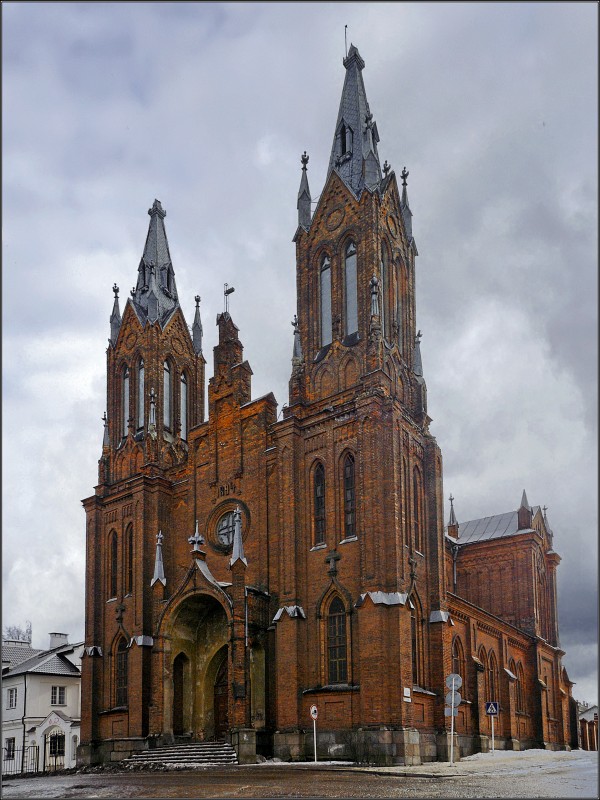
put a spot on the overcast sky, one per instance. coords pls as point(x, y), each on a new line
point(208, 107)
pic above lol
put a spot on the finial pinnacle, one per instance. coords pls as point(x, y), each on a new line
point(133, 292)
point(227, 290)
point(386, 168)
point(451, 500)
point(304, 160)
point(419, 336)
point(197, 299)
point(116, 291)
point(404, 175)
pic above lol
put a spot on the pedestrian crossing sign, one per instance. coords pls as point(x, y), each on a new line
point(491, 709)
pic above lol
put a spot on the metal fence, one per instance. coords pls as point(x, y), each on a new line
point(16, 760)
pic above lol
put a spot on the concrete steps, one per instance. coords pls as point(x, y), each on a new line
point(193, 755)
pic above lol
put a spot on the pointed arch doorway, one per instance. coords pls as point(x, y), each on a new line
point(221, 700)
point(180, 668)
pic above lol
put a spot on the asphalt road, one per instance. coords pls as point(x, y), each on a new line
point(518, 776)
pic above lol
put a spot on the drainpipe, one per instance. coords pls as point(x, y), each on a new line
point(23, 723)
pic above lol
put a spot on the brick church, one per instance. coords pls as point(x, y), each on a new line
point(244, 566)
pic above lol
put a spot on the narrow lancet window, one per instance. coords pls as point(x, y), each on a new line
point(183, 400)
point(112, 577)
point(349, 498)
point(140, 398)
point(166, 395)
point(130, 560)
point(125, 401)
point(319, 504)
point(121, 674)
point(336, 642)
point(325, 302)
point(384, 292)
point(351, 286)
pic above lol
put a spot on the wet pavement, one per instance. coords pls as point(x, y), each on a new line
point(530, 774)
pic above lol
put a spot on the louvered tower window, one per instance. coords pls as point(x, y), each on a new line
point(183, 402)
point(125, 401)
point(140, 397)
point(319, 481)
point(167, 390)
point(325, 301)
point(349, 498)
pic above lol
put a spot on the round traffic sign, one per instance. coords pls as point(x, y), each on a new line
point(314, 712)
point(453, 695)
point(454, 681)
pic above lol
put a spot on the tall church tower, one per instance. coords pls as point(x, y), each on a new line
point(364, 519)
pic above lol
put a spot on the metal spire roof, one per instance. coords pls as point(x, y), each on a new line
point(304, 213)
point(524, 501)
point(354, 151)
point(115, 317)
point(452, 520)
point(159, 570)
point(155, 294)
point(197, 327)
point(238, 544)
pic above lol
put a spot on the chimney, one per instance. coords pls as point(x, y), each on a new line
point(58, 639)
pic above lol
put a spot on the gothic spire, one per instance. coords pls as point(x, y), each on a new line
point(159, 571)
point(155, 294)
point(105, 438)
point(197, 327)
point(525, 501)
point(115, 318)
point(238, 544)
point(297, 352)
point(417, 363)
point(354, 151)
point(404, 206)
point(304, 212)
point(452, 520)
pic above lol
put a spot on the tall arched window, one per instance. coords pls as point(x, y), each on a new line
point(416, 641)
point(493, 679)
point(183, 403)
point(349, 498)
point(121, 673)
point(351, 289)
point(520, 688)
point(167, 394)
point(129, 540)
point(337, 662)
point(383, 267)
point(417, 521)
point(140, 396)
point(486, 676)
point(319, 486)
point(113, 551)
point(458, 661)
point(125, 400)
point(326, 337)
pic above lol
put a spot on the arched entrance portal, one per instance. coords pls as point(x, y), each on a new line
point(198, 631)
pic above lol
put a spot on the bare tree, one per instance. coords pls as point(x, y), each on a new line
point(17, 633)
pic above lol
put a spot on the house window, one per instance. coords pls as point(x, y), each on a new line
point(11, 700)
point(57, 744)
point(166, 395)
point(140, 398)
point(349, 498)
point(58, 696)
point(125, 401)
point(113, 556)
point(9, 749)
point(183, 406)
point(336, 642)
point(325, 301)
point(121, 674)
point(226, 529)
point(319, 482)
point(351, 295)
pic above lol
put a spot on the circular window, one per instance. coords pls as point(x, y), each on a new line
point(225, 528)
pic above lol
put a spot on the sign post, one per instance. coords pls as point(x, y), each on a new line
point(314, 713)
point(453, 699)
point(491, 709)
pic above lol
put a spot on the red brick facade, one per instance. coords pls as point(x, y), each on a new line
point(349, 594)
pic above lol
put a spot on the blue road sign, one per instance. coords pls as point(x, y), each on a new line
point(491, 709)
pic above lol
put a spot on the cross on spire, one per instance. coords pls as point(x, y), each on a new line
point(227, 290)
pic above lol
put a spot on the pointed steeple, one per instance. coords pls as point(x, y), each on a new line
point(197, 327)
point(297, 358)
point(159, 571)
point(417, 363)
point(155, 294)
point(115, 318)
point(304, 212)
point(105, 438)
point(404, 206)
point(354, 151)
point(452, 521)
point(238, 544)
point(524, 514)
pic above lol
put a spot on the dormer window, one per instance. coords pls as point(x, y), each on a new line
point(344, 138)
